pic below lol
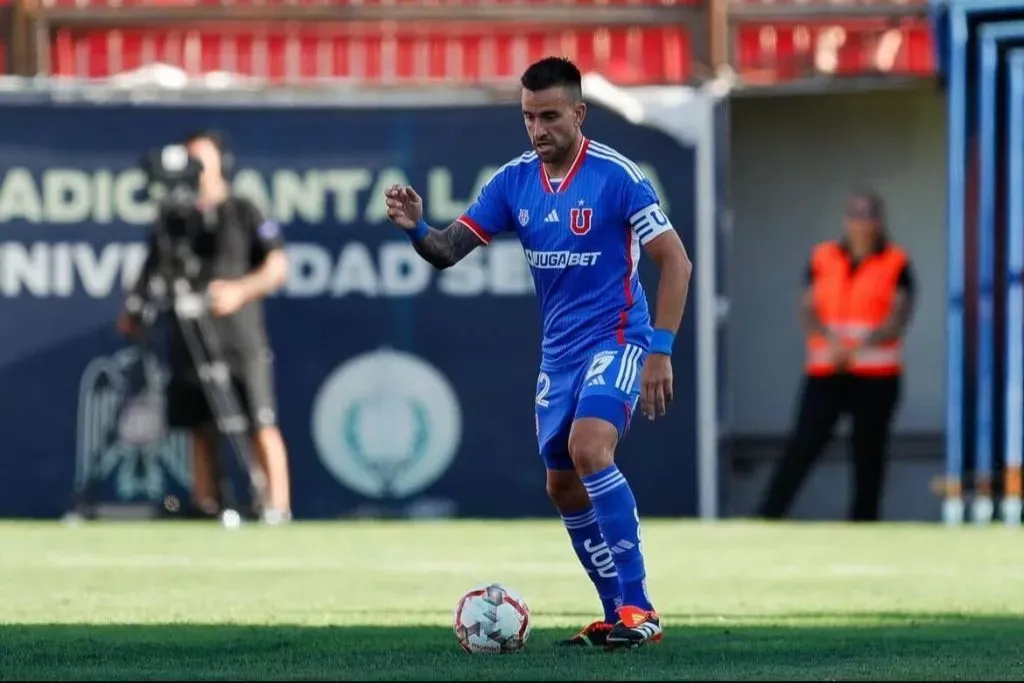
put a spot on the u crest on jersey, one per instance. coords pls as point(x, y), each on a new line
point(580, 220)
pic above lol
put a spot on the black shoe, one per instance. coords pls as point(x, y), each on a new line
point(591, 636)
point(636, 627)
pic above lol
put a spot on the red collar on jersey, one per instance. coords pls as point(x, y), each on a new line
point(576, 163)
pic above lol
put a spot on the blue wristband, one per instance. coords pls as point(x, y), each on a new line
point(661, 341)
point(419, 232)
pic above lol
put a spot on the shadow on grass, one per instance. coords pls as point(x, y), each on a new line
point(867, 646)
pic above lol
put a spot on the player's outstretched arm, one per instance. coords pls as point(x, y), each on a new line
point(440, 248)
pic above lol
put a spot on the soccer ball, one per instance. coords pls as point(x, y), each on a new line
point(492, 618)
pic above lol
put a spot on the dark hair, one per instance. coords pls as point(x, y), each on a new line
point(216, 138)
point(552, 72)
point(213, 136)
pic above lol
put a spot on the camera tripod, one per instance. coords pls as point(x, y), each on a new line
point(191, 311)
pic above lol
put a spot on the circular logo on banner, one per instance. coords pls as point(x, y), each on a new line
point(386, 424)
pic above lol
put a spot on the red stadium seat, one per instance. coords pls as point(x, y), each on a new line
point(430, 54)
point(387, 52)
point(840, 47)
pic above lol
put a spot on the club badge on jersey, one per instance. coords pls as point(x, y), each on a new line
point(580, 220)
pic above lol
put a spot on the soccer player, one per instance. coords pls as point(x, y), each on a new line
point(582, 211)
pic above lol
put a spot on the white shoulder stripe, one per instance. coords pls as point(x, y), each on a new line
point(617, 161)
point(525, 158)
point(611, 152)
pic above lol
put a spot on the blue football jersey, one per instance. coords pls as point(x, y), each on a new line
point(581, 235)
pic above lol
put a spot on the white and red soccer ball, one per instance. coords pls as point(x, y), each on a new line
point(492, 618)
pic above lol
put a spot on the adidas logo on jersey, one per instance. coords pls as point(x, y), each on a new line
point(552, 217)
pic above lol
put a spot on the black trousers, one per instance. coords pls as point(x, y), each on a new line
point(871, 403)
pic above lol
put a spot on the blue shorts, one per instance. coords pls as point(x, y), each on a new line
point(605, 386)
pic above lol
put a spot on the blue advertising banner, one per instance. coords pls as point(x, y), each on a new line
point(399, 387)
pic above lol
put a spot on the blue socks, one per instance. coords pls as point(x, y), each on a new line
point(596, 558)
point(617, 516)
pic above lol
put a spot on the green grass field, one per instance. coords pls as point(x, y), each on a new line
point(164, 600)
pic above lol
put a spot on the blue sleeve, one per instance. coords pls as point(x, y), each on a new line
point(644, 211)
point(489, 215)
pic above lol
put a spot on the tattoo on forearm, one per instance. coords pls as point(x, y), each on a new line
point(445, 248)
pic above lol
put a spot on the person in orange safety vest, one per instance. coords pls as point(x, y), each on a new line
point(855, 311)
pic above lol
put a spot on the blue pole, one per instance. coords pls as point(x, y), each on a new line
point(1011, 506)
point(953, 507)
point(988, 65)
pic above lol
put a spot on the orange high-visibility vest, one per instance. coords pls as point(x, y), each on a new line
point(851, 303)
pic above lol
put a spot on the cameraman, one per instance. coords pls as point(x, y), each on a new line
point(243, 260)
